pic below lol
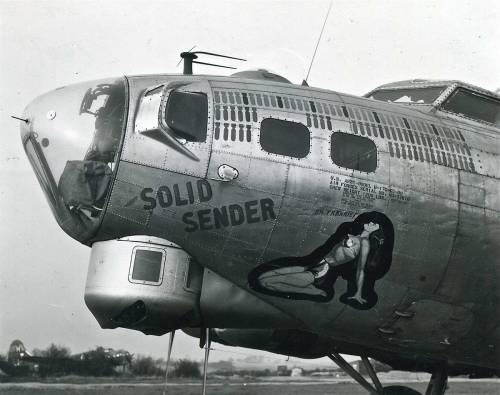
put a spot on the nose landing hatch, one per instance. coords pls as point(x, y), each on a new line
point(72, 139)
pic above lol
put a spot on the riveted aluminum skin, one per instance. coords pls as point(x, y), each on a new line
point(429, 291)
point(168, 302)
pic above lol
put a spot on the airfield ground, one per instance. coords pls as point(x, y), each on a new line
point(229, 387)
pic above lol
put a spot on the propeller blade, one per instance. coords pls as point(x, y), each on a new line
point(205, 362)
point(170, 344)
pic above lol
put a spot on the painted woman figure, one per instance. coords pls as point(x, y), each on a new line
point(360, 251)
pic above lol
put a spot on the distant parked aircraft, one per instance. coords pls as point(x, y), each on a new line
point(95, 362)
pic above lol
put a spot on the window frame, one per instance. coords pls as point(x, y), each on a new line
point(471, 92)
point(132, 264)
point(190, 276)
point(284, 156)
point(355, 136)
point(164, 107)
point(414, 88)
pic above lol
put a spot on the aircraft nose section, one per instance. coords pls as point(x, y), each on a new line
point(71, 136)
point(41, 118)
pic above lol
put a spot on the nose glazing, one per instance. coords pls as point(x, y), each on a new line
point(72, 134)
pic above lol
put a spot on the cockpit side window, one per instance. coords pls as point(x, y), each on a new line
point(353, 152)
point(186, 113)
point(473, 105)
point(285, 138)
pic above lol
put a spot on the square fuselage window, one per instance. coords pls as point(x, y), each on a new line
point(147, 266)
point(285, 138)
point(353, 152)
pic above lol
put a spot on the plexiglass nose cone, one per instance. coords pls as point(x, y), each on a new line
point(71, 138)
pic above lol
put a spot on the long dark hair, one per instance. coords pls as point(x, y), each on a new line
point(381, 241)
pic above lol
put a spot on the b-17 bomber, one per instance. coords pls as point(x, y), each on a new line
point(254, 212)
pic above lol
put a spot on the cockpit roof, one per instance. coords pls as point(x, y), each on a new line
point(450, 97)
point(423, 83)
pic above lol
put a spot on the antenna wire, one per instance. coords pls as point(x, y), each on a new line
point(319, 39)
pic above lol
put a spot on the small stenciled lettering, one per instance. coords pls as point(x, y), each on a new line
point(358, 194)
point(335, 212)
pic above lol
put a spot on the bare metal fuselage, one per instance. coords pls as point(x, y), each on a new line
point(437, 180)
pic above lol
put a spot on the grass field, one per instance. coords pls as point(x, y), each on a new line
point(462, 387)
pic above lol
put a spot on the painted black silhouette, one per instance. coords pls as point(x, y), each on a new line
point(359, 251)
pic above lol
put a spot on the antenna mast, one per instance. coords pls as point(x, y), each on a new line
point(304, 82)
point(189, 58)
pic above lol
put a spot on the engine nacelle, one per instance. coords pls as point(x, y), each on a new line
point(143, 283)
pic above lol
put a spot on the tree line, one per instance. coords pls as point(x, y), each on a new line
point(58, 360)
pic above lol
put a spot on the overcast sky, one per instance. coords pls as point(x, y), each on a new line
point(47, 44)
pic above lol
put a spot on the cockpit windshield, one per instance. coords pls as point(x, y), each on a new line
point(411, 96)
point(473, 105)
point(72, 141)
